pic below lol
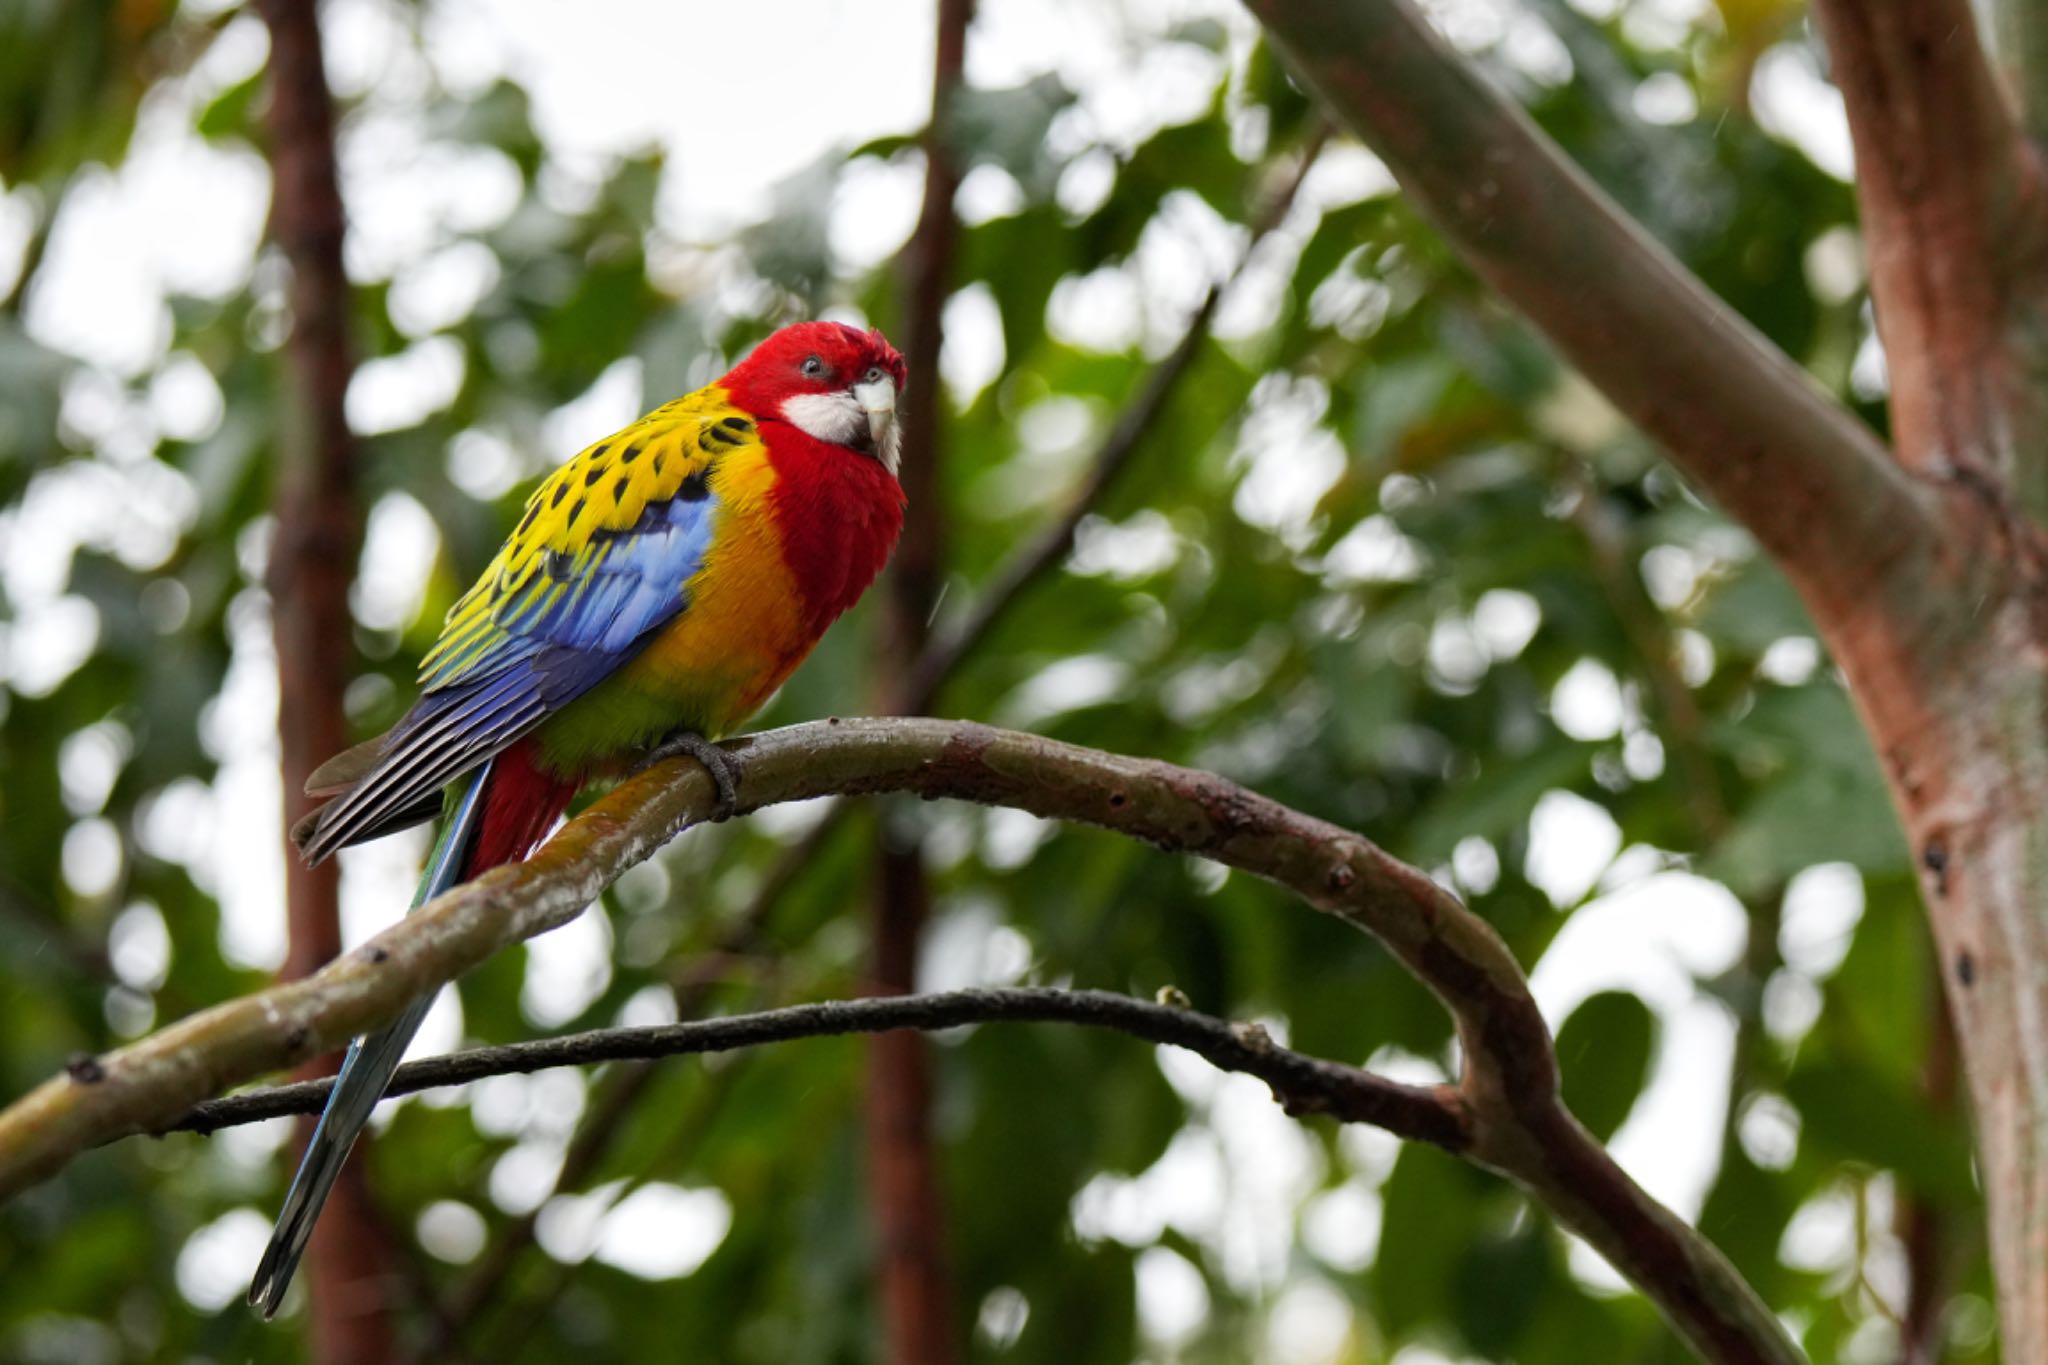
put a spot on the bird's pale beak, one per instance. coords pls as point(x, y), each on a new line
point(877, 400)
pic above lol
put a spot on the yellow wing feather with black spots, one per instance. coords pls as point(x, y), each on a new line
point(601, 559)
point(575, 521)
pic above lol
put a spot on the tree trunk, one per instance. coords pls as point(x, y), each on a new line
point(319, 527)
point(903, 1181)
point(1967, 758)
point(1950, 664)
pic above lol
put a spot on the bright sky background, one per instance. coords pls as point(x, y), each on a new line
point(182, 215)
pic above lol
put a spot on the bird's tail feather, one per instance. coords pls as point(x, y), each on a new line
point(364, 1073)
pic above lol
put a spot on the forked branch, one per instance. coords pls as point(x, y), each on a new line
point(1517, 1123)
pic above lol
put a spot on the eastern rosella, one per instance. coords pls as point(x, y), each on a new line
point(659, 587)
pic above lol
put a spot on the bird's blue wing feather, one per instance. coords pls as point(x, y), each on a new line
point(562, 629)
point(364, 1073)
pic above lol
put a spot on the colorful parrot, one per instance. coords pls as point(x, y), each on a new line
point(658, 588)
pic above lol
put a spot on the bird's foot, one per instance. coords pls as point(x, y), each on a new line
point(717, 762)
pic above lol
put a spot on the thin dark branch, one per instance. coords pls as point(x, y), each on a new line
point(1304, 1084)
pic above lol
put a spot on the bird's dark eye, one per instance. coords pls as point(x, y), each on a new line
point(814, 368)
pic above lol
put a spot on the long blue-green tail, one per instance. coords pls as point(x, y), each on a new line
point(364, 1074)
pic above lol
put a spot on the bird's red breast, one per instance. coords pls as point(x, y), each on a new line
point(838, 519)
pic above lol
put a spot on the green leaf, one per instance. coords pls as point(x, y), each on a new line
point(1603, 1052)
point(227, 114)
point(1856, 1113)
point(1430, 1217)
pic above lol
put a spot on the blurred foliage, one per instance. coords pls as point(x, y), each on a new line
point(1355, 565)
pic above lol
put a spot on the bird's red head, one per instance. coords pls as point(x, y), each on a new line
point(834, 382)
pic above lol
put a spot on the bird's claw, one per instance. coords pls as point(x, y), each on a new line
point(717, 762)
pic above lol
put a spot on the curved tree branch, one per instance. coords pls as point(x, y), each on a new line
point(1518, 1125)
point(1304, 1084)
point(1747, 424)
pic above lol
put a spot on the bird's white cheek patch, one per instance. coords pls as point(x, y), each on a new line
point(831, 417)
